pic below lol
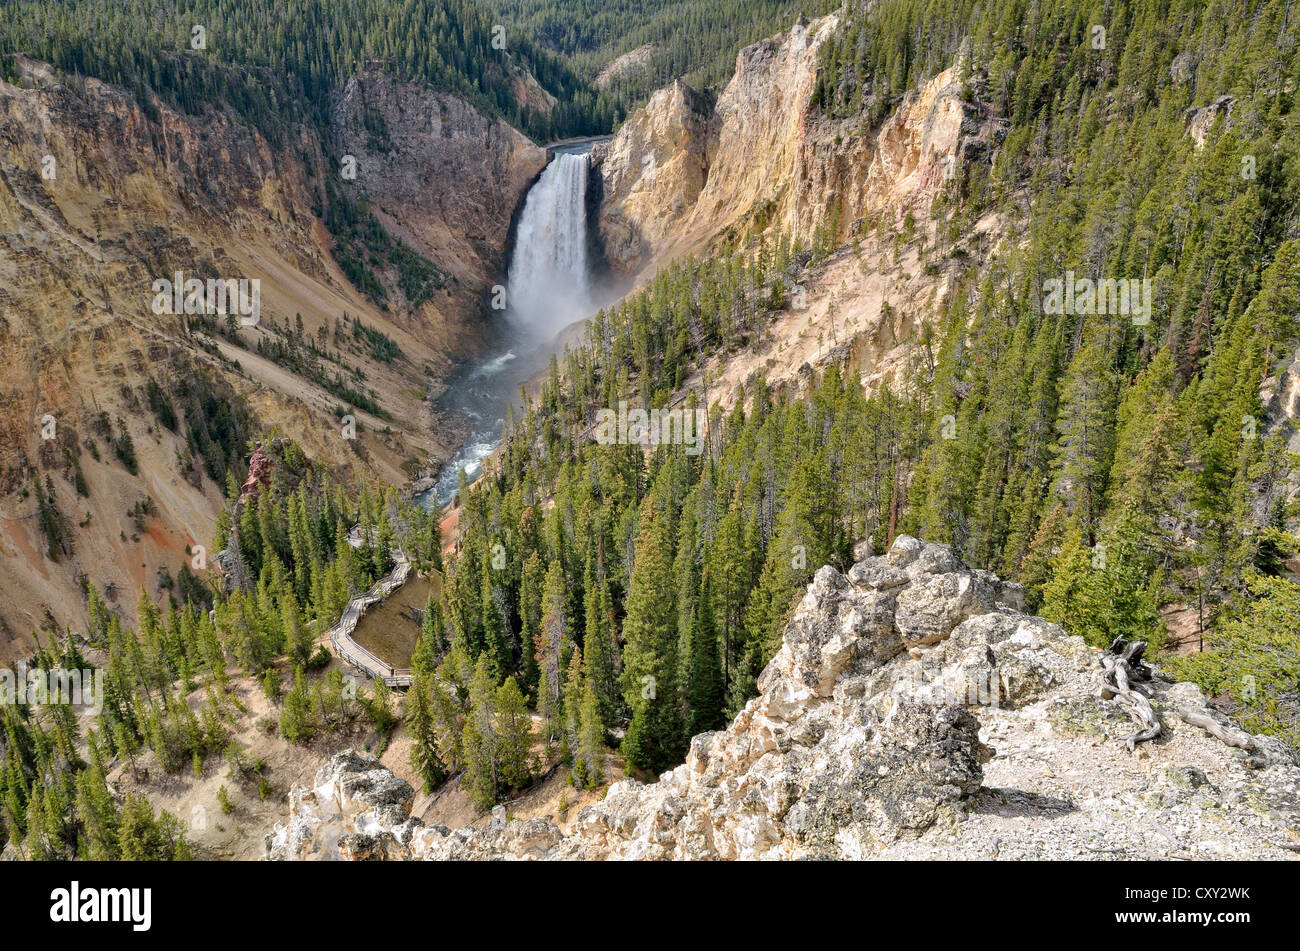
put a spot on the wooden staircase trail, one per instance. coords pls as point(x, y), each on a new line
point(340, 634)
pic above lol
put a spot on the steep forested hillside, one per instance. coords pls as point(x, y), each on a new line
point(167, 686)
point(275, 62)
point(1117, 464)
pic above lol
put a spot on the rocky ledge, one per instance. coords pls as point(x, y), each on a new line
point(913, 711)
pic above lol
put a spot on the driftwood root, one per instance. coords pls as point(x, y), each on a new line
point(1124, 679)
point(1228, 735)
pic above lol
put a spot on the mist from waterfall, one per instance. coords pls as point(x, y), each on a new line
point(548, 285)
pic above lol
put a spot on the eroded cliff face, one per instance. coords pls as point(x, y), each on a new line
point(912, 711)
point(439, 174)
point(678, 175)
point(681, 178)
point(98, 199)
point(652, 172)
point(678, 172)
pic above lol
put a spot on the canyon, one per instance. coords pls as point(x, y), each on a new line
point(915, 706)
point(98, 199)
point(132, 196)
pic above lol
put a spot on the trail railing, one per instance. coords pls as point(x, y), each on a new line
point(341, 633)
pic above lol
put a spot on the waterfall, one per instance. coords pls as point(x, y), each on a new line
point(547, 285)
point(547, 288)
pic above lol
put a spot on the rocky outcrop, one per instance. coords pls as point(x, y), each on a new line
point(652, 173)
point(935, 134)
point(682, 178)
point(718, 166)
point(911, 711)
point(1200, 121)
point(351, 783)
point(630, 64)
point(1280, 395)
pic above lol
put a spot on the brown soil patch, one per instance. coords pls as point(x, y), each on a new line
point(1184, 629)
point(388, 630)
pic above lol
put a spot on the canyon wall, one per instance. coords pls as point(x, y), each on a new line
point(439, 175)
point(682, 172)
point(684, 176)
point(100, 197)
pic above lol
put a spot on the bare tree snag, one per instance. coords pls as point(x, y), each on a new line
point(1124, 678)
point(1216, 729)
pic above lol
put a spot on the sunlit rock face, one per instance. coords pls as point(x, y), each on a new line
point(683, 171)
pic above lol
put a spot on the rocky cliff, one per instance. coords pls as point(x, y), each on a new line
point(912, 711)
point(681, 172)
point(99, 197)
point(684, 176)
point(652, 173)
point(441, 176)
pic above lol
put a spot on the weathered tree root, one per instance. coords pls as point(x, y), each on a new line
point(1216, 729)
point(1123, 679)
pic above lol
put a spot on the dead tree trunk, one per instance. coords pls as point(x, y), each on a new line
point(1216, 729)
point(1124, 678)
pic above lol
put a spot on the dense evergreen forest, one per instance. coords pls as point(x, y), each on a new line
point(691, 40)
point(276, 62)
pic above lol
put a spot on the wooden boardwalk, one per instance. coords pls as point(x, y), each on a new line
point(341, 633)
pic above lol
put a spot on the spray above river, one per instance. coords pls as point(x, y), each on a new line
point(548, 287)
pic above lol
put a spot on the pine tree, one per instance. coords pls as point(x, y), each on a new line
point(704, 696)
point(425, 757)
point(433, 627)
point(479, 738)
point(589, 757)
point(572, 698)
point(1086, 443)
point(530, 615)
point(446, 713)
point(98, 816)
point(514, 735)
point(599, 649)
point(496, 636)
point(1065, 591)
point(295, 714)
point(381, 711)
point(297, 636)
point(656, 737)
point(553, 637)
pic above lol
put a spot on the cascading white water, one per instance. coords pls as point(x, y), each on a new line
point(547, 286)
